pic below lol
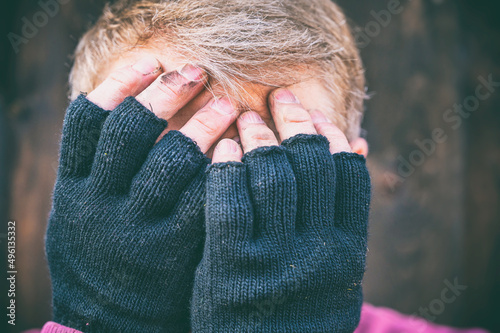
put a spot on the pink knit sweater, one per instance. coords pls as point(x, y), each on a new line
point(373, 320)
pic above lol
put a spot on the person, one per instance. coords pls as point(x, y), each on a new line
point(148, 234)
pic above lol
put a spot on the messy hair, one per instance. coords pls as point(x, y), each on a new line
point(271, 42)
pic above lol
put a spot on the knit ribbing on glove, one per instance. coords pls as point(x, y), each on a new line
point(286, 241)
point(126, 228)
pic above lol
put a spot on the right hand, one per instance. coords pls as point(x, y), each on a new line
point(165, 95)
point(126, 227)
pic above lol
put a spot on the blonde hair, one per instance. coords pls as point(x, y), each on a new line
point(270, 42)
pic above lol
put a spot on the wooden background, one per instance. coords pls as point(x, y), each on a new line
point(438, 224)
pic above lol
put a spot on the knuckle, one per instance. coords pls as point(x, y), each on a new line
point(296, 115)
point(123, 77)
point(337, 142)
point(261, 134)
point(166, 91)
point(205, 126)
point(122, 82)
point(330, 130)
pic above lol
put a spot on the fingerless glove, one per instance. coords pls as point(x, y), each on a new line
point(286, 241)
point(126, 228)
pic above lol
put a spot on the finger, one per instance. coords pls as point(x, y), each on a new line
point(353, 193)
point(289, 115)
point(273, 190)
point(230, 133)
point(81, 132)
point(314, 171)
point(254, 132)
point(171, 91)
point(127, 81)
point(170, 167)
point(208, 124)
point(229, 214)
point(324, 126)
point(227, 150)
point(128, 134)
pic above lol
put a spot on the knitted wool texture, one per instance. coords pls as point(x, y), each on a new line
point(126, 229)
point(286, 241)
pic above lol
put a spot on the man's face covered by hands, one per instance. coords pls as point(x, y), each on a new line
point(288, 203)
point(163, 228)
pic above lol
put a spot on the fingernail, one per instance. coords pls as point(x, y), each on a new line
point(286, 96)
point(223, 106)
point(192, 73)
point(227, 146)
point(237, 139)
point(147, 66)
point(318, 117)
point(252, 118)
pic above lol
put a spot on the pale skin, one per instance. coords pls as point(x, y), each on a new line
point(179, 97)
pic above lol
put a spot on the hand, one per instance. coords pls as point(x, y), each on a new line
point(286, 228)
point(126, 228)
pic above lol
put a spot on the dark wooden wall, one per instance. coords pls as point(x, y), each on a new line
point(437, 224)
point(482, 200)
point(441, 222)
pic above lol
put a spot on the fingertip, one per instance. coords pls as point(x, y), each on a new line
point(148, 65)
point(225, 106)
point(281, 98)
point(227, 150)
point(250, 118)
point(193, 73)
point(254, 132)
point(284, 96)
point(124, 82)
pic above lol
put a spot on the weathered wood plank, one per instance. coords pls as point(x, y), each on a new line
point(417, 216)
point(40, 83)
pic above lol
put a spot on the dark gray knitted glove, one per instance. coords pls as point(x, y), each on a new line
point(126, 229)
point(286, 241)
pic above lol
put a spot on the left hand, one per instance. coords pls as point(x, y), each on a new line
point(286, 227)
point(290, 119)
